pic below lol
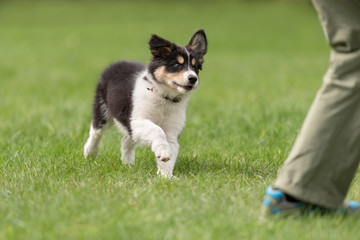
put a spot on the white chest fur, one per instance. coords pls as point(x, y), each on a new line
point(150, 104)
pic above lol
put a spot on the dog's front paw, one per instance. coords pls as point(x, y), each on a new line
point(163, 153)
point(166, 174)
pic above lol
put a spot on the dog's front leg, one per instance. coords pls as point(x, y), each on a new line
point(165, 169)
point(146, 132)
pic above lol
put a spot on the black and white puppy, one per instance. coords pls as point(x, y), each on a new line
point(148, 103)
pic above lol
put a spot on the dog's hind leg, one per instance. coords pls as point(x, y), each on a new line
point(128, 150)
point(92, 145)
point(98, 126)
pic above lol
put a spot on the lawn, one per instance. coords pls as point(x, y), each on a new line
point(264, 65)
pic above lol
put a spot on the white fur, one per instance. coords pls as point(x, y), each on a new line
point(189, 71)
point(155, 121)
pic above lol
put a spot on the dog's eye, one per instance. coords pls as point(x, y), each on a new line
point(176, 65)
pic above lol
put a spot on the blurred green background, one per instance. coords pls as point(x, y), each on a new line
point(264, 64)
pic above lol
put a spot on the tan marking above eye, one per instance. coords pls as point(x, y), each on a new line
point(180, 59)
point(201, 60)
point(193, 61)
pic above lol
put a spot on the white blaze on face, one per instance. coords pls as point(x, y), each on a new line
point(189, 72)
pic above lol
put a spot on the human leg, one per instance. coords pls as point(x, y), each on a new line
point(326, 154)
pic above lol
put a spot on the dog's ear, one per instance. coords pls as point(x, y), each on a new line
point(160, 47)
point(198, 43)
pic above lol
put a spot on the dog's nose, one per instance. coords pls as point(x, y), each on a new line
point(192, 79)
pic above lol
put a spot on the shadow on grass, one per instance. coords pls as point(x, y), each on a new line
point(219, 165)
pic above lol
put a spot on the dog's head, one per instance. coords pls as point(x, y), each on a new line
point(176, 66)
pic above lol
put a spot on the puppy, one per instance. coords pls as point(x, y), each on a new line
point(148, 103)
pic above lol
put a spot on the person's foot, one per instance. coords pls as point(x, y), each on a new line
point(276, 202)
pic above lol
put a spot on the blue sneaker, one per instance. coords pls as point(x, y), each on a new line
point(276, 203)
point(349, 207)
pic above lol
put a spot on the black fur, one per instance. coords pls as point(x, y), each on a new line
point(160, 47)
point(198, 43)
point(114, 90)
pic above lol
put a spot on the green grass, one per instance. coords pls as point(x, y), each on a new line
point(264, 65)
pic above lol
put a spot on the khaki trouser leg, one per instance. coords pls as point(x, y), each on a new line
point(326, 154)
